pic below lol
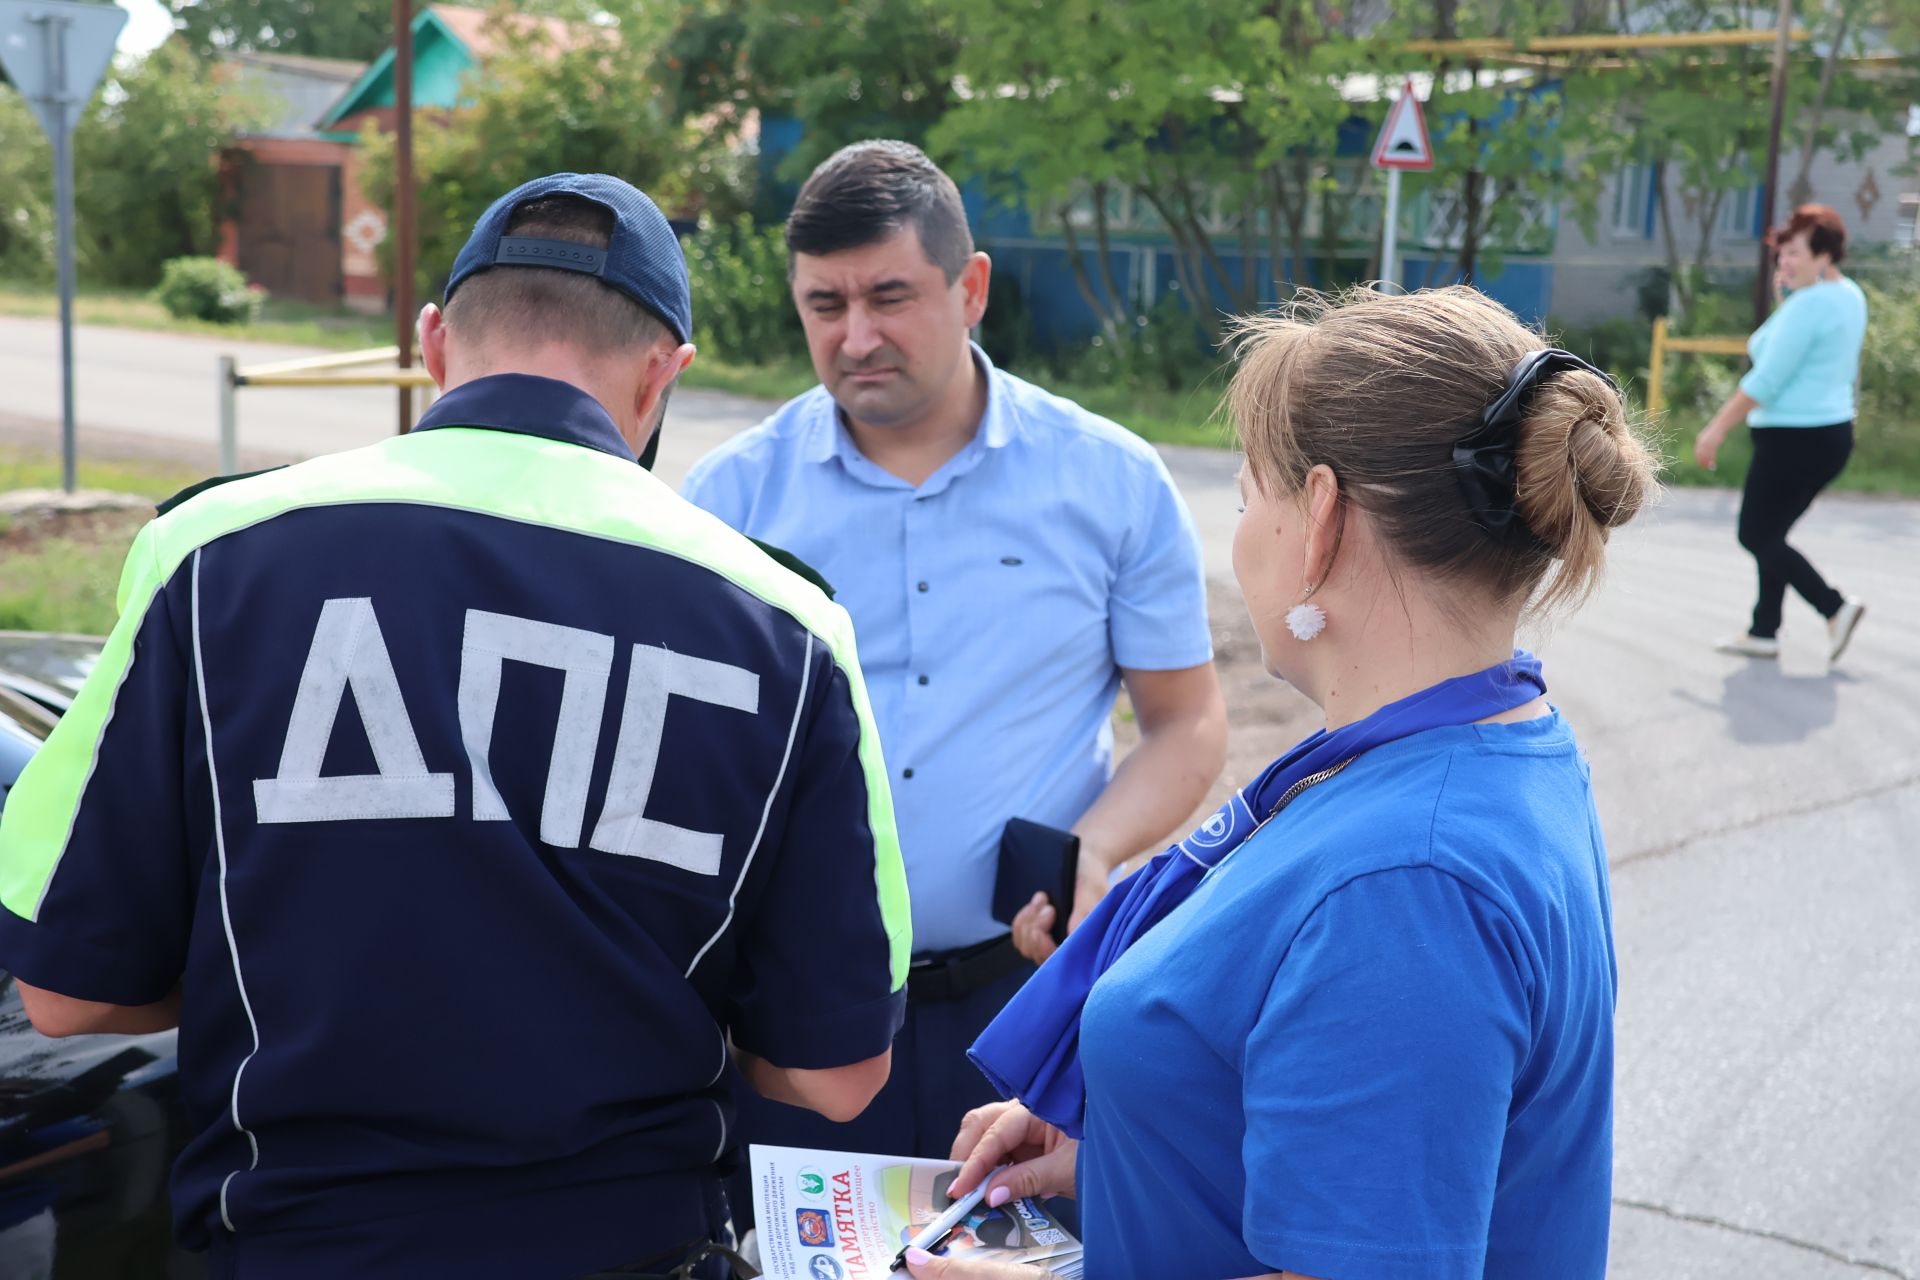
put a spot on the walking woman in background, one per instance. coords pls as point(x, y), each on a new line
point(1360, 1023)
point(1798, 400)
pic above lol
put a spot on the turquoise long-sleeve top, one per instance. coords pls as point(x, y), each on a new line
point(1806, 357)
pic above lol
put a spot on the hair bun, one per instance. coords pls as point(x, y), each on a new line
point(1581, 469)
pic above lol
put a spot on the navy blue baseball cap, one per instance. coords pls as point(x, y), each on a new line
point(642, 260)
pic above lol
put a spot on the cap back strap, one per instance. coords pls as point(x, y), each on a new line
point(568, 255)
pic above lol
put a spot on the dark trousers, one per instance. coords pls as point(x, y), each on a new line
point(1791, 465)
point(917, 1113)
point(644, 1226)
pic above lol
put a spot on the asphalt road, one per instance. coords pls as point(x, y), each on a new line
point(1763, 821)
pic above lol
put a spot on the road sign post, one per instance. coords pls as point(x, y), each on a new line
point(55, 52)
point(1403, 144)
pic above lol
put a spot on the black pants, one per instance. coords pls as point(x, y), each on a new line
point(1791, 465)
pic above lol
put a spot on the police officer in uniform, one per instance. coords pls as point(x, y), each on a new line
point(469, 802)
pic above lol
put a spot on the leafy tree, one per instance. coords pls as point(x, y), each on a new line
point(1220, 121)
point(146, 187)
point(851, 69)
point(538, 109)
point(1651, 110)
point(26, 176)
point(356, 29)
point(1226, 122)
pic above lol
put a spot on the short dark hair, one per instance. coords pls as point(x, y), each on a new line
point(540, 305)
point(1825, 231)
point(865, 192)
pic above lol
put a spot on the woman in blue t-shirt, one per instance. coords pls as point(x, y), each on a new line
point(1798, 401)
point(1360, 1023)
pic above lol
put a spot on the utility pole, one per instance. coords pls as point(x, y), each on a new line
point(1763, 280)
point(403, 204)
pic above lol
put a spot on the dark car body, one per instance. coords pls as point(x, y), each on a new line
point(89, 1125)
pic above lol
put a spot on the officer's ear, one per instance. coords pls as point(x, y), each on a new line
point(661, 368)
point(432, 331)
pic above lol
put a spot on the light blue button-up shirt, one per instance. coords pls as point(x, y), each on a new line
point(995, 606)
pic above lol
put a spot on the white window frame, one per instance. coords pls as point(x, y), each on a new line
point(1628, 213)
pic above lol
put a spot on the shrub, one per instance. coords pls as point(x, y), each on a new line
point(1622, 345)
point(742, 308)
point(206, 289)
point(1164, 349)
point(1890, 359)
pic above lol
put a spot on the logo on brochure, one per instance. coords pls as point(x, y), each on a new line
point(823, 1267)
point(816, 1229)
point(813, 1183)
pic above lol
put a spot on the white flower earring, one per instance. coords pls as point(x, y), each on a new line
point(1307, 620)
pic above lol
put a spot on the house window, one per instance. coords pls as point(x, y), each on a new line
point(1906, 232)
point(1736, 213)
point(1125, 210)
point(1629, 213)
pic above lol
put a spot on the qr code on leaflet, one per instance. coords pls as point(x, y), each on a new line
point(1049, 1235)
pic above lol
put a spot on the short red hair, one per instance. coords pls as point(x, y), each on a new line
point(1824, 230)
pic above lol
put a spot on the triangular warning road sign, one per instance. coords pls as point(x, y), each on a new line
point(82, 38)
point(1403, 142)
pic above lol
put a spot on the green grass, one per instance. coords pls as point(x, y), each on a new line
point(1886, 457)
point(63, 584)
point(781, 381)
point(292, 323)
point(26, 468)
point(65, 581)
point(1165, 417)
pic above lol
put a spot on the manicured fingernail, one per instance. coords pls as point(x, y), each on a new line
point(999, 1196)
point(918, 1257)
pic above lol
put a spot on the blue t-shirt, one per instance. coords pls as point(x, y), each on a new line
point(996, 606)
point(476, 790)
point(1377, 1042)
point(1806, 357)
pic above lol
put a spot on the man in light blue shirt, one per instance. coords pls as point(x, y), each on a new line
point(1009, 560)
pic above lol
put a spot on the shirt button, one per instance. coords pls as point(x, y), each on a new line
point(923, 586)
point(906, 773)
point(923, 679)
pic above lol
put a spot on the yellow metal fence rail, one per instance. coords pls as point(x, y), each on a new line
point(1664, 344)
point(348, 369)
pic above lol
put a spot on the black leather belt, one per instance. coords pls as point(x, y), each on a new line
point(950, 975)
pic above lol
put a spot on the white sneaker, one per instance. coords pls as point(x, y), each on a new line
point(1749, 646)
point(1841, 627)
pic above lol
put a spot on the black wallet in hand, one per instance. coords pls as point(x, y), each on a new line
point(1034, 857)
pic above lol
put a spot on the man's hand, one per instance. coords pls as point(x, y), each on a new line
point(1033, 929)
point(1095, 869)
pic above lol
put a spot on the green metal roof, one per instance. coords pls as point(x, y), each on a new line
point(441, 61)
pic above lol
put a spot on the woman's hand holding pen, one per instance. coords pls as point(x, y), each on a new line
point(1041, 1160)
point(1039, 1156)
